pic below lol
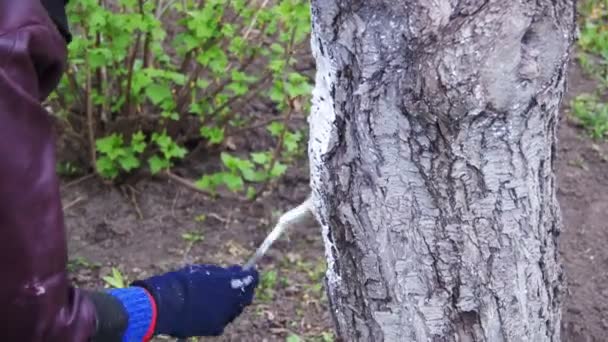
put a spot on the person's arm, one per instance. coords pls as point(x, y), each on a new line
point(37, 302)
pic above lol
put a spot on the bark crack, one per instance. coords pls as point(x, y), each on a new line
point(435, 187)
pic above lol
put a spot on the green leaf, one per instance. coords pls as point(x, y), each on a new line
point(278, 170)
point(106, 168)
point(261, 158)
point(292, 141)
point(115, 280)
point(98, 57)
point(129, 162)
point(276, 128)
point(277, 48)
point(157, 164)
point(209, 182)
point(170, 115)
point(158, 93)
point(109, 143)
point(138, 142)
point(215, 135)
point(277, 65)
point(293, 338)
point(238, 88)
point(193, 237)
point(231, 162)
point(97, 19)
point(228, 30)
point(233, 182)
point(251, 192)
point(250, 175)
point(140, 81)
point(175, 151)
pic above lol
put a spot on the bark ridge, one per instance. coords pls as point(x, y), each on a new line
point(432, 148)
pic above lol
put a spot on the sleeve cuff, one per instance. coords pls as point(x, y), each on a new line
point(141, 310)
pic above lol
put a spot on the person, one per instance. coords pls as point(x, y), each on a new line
point(37, 301)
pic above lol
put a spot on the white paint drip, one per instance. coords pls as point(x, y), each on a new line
point(321, 123)
point(241, 283)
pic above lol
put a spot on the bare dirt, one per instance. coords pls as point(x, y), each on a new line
point(583, 195)
point(139, 229)
point(107, 230)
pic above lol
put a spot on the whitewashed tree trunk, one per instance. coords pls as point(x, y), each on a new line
point(432, 152)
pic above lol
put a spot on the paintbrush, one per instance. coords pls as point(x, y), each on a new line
point(294, 216)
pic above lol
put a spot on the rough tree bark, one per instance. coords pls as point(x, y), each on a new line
point(432, 151)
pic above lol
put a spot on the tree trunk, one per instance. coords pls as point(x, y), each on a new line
point(432, 149)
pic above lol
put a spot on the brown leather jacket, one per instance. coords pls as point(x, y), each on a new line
point(37, 301)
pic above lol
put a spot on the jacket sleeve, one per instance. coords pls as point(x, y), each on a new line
point(37, 302)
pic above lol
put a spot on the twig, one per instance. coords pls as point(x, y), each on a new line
point(174, 203)
point(134, 201)
point(166, 7)
point(183, 93)
point(228, 220)
point(218, 217)
point(146, 53)
point(249, 29)
point(250, 59)
point(240, 99)
point(277, 151)
point(211, 95)
point(255, 19)
point(69, 131)
point(129, 192)
point(263, 123)
point(73, 83)
point(184, 182)
point(73, 203)
point(280, 142)
point(90, 122)
point(79, 180)
point(159, 9)
point(130, 67)
point(101, 75)
point(187, 59)
point(191, 186)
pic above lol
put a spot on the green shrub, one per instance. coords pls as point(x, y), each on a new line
point(593, 39)
point(145, 72)
point(589, 110)
point(592, 114)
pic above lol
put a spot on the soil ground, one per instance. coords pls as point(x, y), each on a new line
point(139, 229)
point(583, 194)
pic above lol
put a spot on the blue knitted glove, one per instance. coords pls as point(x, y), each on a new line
point(134, 323)
point(200, 300)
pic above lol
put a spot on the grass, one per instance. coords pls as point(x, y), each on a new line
point(591, 113)
point(591, 110)
point(116, 279)
point(79, 263)
point(268, 284)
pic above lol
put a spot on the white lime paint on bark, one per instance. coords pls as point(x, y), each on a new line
point(322, 138)
point(432, 146)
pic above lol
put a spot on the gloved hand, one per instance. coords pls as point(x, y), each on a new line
point(200, 300)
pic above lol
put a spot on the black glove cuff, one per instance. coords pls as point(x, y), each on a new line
point(112, 320)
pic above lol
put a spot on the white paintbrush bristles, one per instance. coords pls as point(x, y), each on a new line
point(287, 220)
